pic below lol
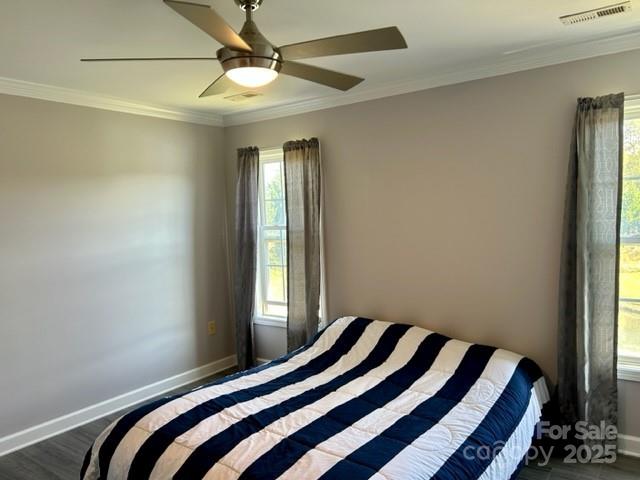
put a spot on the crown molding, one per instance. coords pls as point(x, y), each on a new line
point(536, 58)
point(21, 88)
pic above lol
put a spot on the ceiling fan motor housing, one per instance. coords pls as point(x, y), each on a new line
point(263, 53)
point(243, 4)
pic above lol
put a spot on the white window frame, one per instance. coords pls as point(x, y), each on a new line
point(266, 156)
point(629, 365)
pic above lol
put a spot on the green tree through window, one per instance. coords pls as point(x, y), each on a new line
point(272, 256)
point(629, 308)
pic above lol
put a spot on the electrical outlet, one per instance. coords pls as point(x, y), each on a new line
point(211, 326)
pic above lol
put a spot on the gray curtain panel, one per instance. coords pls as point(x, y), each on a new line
point(246, 253)
point(303, 183)
point(588, 323)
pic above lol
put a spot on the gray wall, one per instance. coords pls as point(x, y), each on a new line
point(112, 255)
point(271, 342)
point(444, 207)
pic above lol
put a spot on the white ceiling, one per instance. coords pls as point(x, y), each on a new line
point(41, 41)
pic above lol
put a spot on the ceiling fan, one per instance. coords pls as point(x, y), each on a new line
point(250, 60)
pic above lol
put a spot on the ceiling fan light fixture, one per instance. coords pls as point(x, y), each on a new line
point(252, 77)
point(251, 70)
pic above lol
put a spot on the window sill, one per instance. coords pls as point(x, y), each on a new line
point(277, 322)
point(629, 369)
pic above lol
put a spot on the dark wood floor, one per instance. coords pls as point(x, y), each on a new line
point(625, 468)
point(60, 458)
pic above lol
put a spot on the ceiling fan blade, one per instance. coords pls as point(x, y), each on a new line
point(206, 18)
point(332, 79)
point(143, 59)
point(220, 85)
point(388, 38)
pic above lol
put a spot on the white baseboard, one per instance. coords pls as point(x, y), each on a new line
point(628, 445)
point(75, 419)
point(262, 361)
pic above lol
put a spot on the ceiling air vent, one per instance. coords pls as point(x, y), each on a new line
point(242, 97)
point(597, 13)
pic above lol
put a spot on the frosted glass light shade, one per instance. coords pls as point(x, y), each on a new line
point(252, 77)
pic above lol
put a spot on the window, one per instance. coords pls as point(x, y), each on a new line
point(271, 291)
point(629, 306)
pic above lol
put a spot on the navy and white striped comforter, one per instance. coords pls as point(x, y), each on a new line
point(364, 399)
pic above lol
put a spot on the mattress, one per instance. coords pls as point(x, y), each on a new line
point(363, 399)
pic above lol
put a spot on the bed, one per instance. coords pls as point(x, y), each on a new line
point(363, 399)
